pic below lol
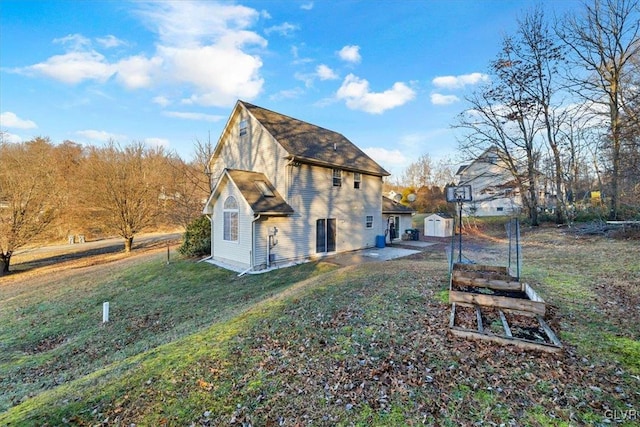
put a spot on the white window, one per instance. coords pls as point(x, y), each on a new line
point(230, 220)
point(337, 178)
point(357, 179)
point(243, 128)
point(369, 221)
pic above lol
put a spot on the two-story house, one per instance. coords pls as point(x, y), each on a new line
point(286, 190)
point(494, 190)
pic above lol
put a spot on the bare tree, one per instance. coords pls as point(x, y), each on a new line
point(125, 184)
point(605, 41)
point(540, 56)
point(443, 173)
point(419, 173)
point(28, 195)
point(505, 116)
point(189, 184)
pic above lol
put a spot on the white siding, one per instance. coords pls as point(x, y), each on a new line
point(234, 253)
point(307, 189)
point(259, 152)
point(486, 180)
point(313, 196)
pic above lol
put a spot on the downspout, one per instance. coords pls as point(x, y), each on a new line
point(210, 218)
point(253, 241)
point(288, 176)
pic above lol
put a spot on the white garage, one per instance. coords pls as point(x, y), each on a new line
point(438, 225)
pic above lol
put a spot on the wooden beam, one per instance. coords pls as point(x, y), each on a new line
point(452, 317)
point(525, 344)
point(480, 267)
point(485, 275)
point(552, 337)
point(533, 296)
point(536, 307)
point(461, 279)
point(505, 325)
point(479, 318)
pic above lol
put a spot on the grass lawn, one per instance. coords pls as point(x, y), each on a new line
point(314, 345)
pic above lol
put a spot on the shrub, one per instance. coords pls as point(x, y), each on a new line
point(197, 238)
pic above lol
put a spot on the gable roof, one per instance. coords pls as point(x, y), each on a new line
point(248, 183)
point(461, 169)
point(444, 215)
point(313, 144)
point(390, 206)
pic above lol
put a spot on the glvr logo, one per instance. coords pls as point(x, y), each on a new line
point(621, 414)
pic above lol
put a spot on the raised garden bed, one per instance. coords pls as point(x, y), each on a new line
point(488, 303)
point(492, 286)
point(490, 324)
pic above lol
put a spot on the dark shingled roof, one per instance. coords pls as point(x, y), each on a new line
point(461, 169)
point(246, 183)
point(309, 143)
point(391, 206)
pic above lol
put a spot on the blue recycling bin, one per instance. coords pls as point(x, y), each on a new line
point(380, 243)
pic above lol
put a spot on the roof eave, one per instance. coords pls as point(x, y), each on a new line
point(273, 213)
point(316, 162)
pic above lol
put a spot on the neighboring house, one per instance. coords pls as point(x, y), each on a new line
point(285, 190)
point(397, 214)
point(494, 190)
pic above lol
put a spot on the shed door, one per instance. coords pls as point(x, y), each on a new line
point(431, 227)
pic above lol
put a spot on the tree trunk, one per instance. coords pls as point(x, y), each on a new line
point(560, 196)
point(4, 263)
point(128, 243)
point(533, 194)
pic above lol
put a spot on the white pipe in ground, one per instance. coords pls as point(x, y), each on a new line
point(105, 312)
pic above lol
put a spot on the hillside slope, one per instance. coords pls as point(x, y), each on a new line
point(368, 345)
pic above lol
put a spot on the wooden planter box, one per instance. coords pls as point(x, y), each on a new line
point(507, 334)
point(493, 291)
point(492, 286)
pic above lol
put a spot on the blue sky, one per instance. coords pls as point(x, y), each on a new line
point(389, 75)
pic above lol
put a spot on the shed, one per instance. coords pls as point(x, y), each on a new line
point(438, 225)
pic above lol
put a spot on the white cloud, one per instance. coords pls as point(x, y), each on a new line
point(457, 82)
point(100, 135)
point(358, 96)
point(137, 71)
point(307, 78)
point(284, 29)
point(11, 120)
point(350, 54)
point(110, 41)
point(219, 75)
point(74, 42)
point(11, 138)
point(74, 67)
point(163, 101)
point(439, 99)
point(287, 94)
point(297, 60)
point(325, 73)
point(200, 50)
point(202, 46)
point(307, 6)
point(189, 23)
point(156, 142)
point(194, 116)
point(387, 157)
